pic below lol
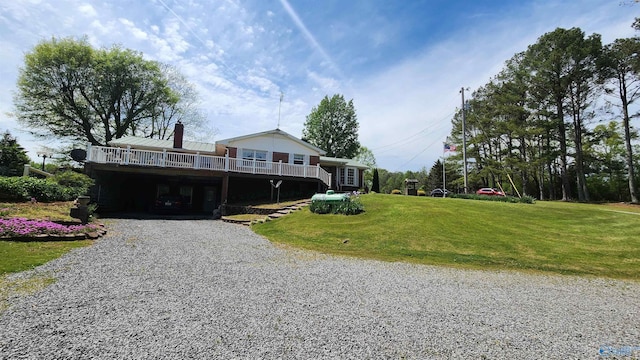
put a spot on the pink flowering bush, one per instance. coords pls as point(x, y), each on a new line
point(21, 227)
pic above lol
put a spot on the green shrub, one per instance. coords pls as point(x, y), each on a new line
point(74, 180)
point(320, 207)
point(509, 199)
point(527, 199)
point(45, 190)
point(396, 192)
point(352, 206)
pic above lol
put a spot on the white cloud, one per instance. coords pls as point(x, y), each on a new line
point(325, 84)
point(240, 58)
point(87, 10)
point(174, 36)
point(135, 31)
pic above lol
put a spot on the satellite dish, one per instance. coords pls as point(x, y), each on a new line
point(79, 155)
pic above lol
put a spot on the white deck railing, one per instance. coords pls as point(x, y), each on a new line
point(169, 159)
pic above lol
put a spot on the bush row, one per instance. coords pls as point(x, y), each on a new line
point(510, 199)
point(62, 187)
point(349, 207)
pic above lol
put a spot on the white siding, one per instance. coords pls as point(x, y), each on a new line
point(273, 143)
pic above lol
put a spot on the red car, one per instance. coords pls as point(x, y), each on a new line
point(490, 192)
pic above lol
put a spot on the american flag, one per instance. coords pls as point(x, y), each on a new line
point(449, 147)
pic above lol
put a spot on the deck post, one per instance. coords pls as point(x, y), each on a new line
point(89, 155)
point(127, 155)
point(225, 189)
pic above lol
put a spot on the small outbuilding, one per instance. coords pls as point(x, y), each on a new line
point(411, 187)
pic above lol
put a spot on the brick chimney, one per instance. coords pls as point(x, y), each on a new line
point(178, 132)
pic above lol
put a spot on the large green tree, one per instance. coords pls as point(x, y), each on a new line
point(333, 127)
point(621, 70)
point(70, 91)
point(185, 110)
point(533, 125)
point(12, 156)
point(561, 68)
point(366, 157)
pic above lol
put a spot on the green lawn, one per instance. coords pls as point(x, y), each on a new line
point(17, 256)
point(565, 238)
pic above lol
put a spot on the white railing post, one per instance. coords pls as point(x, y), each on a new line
point(89, 155)
point(167, 158)
point(127, 155)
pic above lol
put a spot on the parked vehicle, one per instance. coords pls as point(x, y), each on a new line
point(169, 203)
point(439, 192)
point(490, 192)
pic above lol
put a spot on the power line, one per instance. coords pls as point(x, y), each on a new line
point(431, 129)
point(415, 156)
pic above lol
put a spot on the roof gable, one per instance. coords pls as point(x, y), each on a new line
point(245, 139)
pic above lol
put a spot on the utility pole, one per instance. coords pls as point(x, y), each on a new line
point(464, 142)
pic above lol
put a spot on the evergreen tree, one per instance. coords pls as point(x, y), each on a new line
point(12, 156)
point(375, 187)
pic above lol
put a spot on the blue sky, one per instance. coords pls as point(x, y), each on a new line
point(402, 62)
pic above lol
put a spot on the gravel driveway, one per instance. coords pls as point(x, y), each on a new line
point(154, 289)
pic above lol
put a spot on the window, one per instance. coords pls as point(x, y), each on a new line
point(253, 155)
point(351, 177)
point(298, 159)
point(348, 176)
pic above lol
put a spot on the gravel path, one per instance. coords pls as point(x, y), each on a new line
point(156, 289)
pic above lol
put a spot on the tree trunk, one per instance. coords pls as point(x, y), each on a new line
point(523, 161)
point(627, 140)
point(583, 192)
point(564, 176)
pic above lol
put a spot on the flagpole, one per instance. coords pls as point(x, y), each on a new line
point(464, 142)
point(444, 174)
